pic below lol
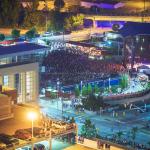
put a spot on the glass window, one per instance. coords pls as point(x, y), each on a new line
point(5, 81)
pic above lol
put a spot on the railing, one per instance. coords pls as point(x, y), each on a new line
point(127, 96)
point(36, 140)
point(101, 144)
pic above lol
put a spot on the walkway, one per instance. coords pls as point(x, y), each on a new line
point(78, 147)
point(129, 100)
point(118, 18)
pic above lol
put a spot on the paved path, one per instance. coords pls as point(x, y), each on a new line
point(118, 18)
point(78, 147)
point(129, 100)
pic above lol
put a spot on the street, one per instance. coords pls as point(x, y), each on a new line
point(106, 124)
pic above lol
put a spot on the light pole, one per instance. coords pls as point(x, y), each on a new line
point(58, 84)
point(81, 87)
point(109, 83)
point(32, 116)
point(62, 107)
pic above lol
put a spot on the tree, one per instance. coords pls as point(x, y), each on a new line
point(31, 33)
point(74, 22)
point(96, 88)
point(148, 143)
point(89, 89)
point(93, 103)
point(124, 81)
point(59, 4)
point(35, 5)
point(114, 89)
point(56, 22)
point(68, 24)
point(15, 33)
point(134, 131)
point(88, 130)
point(72, 120)
point(9, 12)
point(77, 91)
point(84, 91)
point(33, 19)
point(119, 135)
point(2, 37)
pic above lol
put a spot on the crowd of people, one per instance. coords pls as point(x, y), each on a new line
point(72, 68)
point(84, 48)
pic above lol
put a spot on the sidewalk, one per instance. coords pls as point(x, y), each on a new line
point(78, 147)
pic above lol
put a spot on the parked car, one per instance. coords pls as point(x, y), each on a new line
point(47, 34)
point(23, 134)
point(4, 139)
point(39, 147)
point(58, 33)
point(37, 132)
point(70, 126)
point(67, 32)
point(61, 125)
point(2, 146)
point(10, 138)
point(36, 147)
point(56, 131)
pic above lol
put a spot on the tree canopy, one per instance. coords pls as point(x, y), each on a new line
point(59, 4)
point(93, 103)
point(88, 130)
point(15, 33)
point(35, 4)
point(124, 81)
point(56, 21)
point(74, 22)
point(34, 19)
point(2, 37)
point(31, 33)
point(9, 12)
point(77, 91)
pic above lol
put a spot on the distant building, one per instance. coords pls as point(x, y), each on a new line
point(105, 4)
point(70, 5)
point(137, 42)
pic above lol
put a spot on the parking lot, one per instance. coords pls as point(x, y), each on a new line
point(18, 131)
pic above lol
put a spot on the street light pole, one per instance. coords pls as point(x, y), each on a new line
point(62, 108)
point(58, 83)
point(50, 140)
point(81, 87)
point(32, 128)
point(32, 116)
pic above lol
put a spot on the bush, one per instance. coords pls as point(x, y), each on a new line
point(31, 33)
point(93, 103)
point(15, 33)
point(88, 130)
point(2, 37)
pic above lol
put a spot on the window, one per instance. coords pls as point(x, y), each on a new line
point(5, 80)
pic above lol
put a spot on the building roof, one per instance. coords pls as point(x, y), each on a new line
point(133, 28)
point(112, 2)
point(20, 48)
point(16, 64)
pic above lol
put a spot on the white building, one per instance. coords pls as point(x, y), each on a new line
point(19, 69)
point(23, 77)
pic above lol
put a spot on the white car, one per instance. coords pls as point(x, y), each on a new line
point(47, 34)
